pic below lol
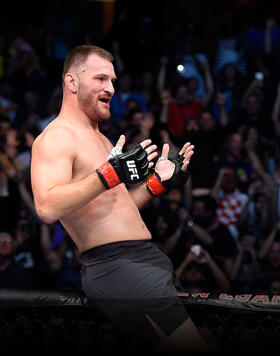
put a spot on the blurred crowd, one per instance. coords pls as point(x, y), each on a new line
point(222, 229)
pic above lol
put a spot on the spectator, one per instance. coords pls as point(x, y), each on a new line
point(5, 126)
point(160, 135)
point(276, 112)
point(171, 204)
point(53, 107)
point(199, 226)
point(256, 213)
point(28, 253)
point(24, 69)
point(28, 114)
point(272, 237)
point(260, 210)
point(52, 259)
point(8, 107)
point(230, 200)
point(165, 232)
point(69, 276)
point(246, 264)
point(261, 46)
point(123, 94)
point(269, 255)
point(10, 172)
point(252, 111)
point(12, 275)
point(210, 233)
point(233, 154)
point(200, 273)
point(274, 287)
point(148, 90)
point(139, 127)
point(177, 110)
point(206, 135)
point(195, 68)
point(230, 51)
point(229, 90)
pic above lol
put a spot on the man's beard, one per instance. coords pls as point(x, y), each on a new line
point(101, 116)
point(92, 111)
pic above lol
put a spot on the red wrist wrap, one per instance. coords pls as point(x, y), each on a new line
point(108, 175)
point(154, 186)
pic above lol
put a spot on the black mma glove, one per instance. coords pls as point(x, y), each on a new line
point(157, 187)
point(131, 167)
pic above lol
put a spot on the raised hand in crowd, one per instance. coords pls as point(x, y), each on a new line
point(169, 245)
point(276, 111)
point(199, 256)
point(246, 263)
point(220, 100)
point(269, 240)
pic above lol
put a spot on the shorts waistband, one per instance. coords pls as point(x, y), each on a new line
point(113, 247)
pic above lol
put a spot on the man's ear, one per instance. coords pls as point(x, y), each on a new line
point(71, 82)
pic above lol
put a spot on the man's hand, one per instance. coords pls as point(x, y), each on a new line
point(131, 167)
point(170, 173)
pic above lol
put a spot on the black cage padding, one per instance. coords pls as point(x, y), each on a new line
point(42, 322)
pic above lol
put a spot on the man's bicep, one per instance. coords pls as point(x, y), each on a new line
point(51, 164)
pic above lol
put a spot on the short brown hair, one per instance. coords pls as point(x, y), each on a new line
point(79, 55)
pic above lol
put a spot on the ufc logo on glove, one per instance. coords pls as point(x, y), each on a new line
point(132, 168)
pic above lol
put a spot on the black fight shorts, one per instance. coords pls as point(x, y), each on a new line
point(129, 280)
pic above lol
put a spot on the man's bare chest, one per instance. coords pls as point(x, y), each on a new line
point(91, 154)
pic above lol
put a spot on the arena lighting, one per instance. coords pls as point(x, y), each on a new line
point(180, 67)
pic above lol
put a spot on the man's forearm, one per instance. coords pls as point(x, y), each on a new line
point(140, 195)
point(62, 200)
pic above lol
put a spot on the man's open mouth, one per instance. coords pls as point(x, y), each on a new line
point(105, 100)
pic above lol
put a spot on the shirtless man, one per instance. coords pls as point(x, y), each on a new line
point(75, 181)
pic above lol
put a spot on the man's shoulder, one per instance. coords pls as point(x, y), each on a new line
point(55, 140)
point(57, 130)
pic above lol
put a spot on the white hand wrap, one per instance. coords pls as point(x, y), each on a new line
point(115, 152)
